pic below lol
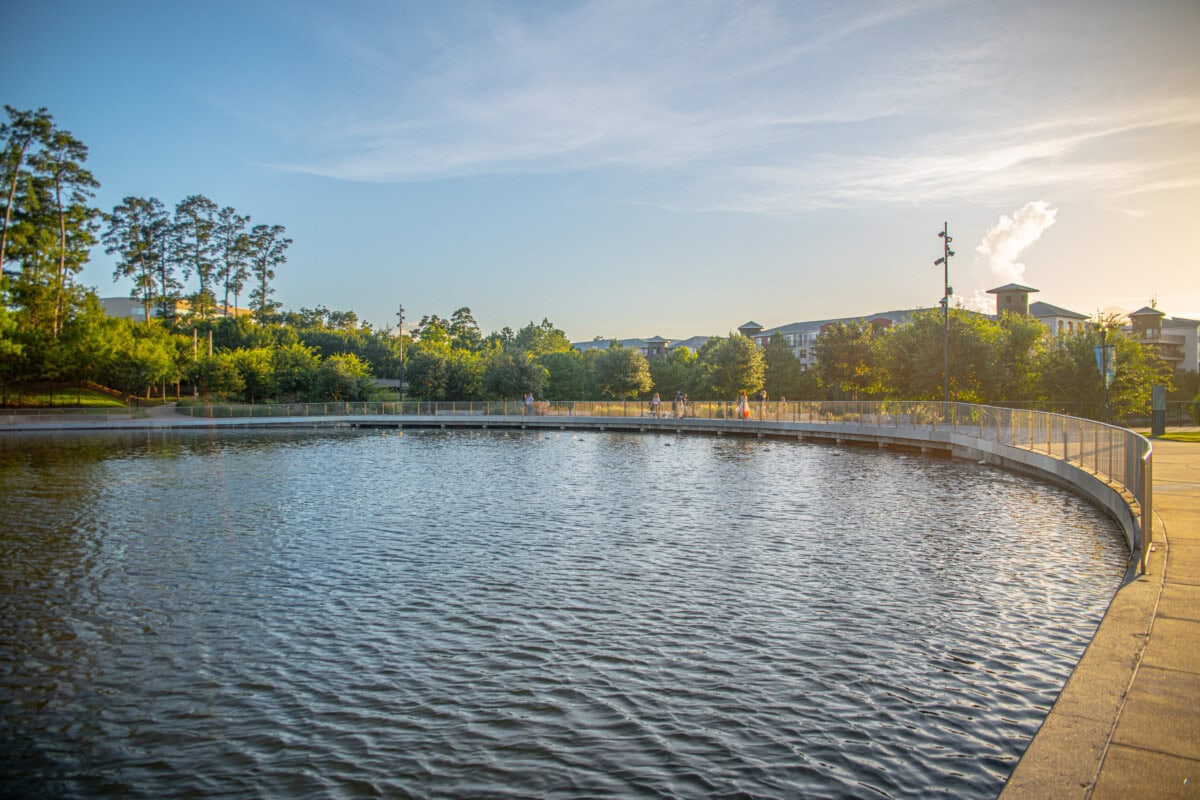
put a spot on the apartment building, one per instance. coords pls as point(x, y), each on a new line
point(1176, 340)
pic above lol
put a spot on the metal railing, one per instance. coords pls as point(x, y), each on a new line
point(12, 416)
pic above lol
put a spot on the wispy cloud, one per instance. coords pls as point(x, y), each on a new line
point(1079, 156)
point(756, 108)
point(649, 86)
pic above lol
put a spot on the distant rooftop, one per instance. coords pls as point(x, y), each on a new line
point(1040, 309)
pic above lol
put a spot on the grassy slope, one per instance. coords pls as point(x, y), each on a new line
point(62, 398)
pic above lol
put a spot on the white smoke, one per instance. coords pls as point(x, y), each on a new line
point(1011, 236)
point(997, 256)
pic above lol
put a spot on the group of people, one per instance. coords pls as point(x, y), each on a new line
point(743, 404)
point(678, 405)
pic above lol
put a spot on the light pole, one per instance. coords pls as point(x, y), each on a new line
point(1104, 362)
point(947, 253)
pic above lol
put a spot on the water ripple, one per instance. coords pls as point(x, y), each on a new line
point(507, 615)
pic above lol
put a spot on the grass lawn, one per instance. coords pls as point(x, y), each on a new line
point(62, 397)
point(1181, 436)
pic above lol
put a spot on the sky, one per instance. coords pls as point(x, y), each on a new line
point(629, 169)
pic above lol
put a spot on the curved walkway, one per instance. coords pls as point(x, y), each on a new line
point(1127, 724)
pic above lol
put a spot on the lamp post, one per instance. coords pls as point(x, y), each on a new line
point(944, 261)
point(1104, 360)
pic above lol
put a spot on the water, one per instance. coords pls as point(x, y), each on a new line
point(317, 614)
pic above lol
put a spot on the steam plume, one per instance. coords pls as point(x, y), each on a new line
point(999, 253)
point(1010, 237)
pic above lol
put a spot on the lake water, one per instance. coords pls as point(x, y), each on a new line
point(342, 614)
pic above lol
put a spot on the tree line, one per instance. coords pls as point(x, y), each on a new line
point(1005, 361)
point(52, 329)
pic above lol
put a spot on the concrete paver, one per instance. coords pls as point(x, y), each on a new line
point(1135, 774)
point(1180, 601)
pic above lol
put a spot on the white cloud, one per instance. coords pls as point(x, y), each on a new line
point(762, 109)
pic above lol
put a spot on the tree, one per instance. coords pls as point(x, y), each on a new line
point(568, 376)
point(464, 375)
point(783, 376)
point(675, 373)
point(425, 373)
point(990, 360)
point(464, 331)
point(511, 374)
point(295, 370)
point(196, 248)
point(1069, 374)
point(848, 360)
point(61, 162)
point(268, 250)
point(23, 130)
point(622, 372)
point(218, 376)
point(541, 339)
point(257, 370)
point(142, 356)
point(729, 366)
point(135, 228)
point(10, 348)
point(233, 253)
point(343, 378)
point(431, 332)
point(500, 340)
point(85, 344)
point(1018, 344)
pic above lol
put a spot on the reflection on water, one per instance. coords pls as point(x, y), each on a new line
point(490, 614)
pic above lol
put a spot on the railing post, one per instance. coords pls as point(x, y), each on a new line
point(1147, 504)
point(1110, 452)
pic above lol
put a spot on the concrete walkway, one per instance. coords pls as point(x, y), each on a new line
point(1127, 724)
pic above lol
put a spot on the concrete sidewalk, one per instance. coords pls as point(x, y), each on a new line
point(1127, 724)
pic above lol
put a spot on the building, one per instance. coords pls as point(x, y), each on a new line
point(128, 308)
point(1189, 331)
point(1013, 298)
point(1059, 321)
point(801, 336)
point(1176, 340)
point(1170, 339)
point(651, 348)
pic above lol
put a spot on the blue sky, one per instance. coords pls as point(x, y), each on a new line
point(640, 168)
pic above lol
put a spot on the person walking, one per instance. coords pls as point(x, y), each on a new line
point(529, 404)
point(654, 401)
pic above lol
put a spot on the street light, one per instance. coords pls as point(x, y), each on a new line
point(944, 262)
point(1104, 361)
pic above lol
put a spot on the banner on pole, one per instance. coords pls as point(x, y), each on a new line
point(1106, 362)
